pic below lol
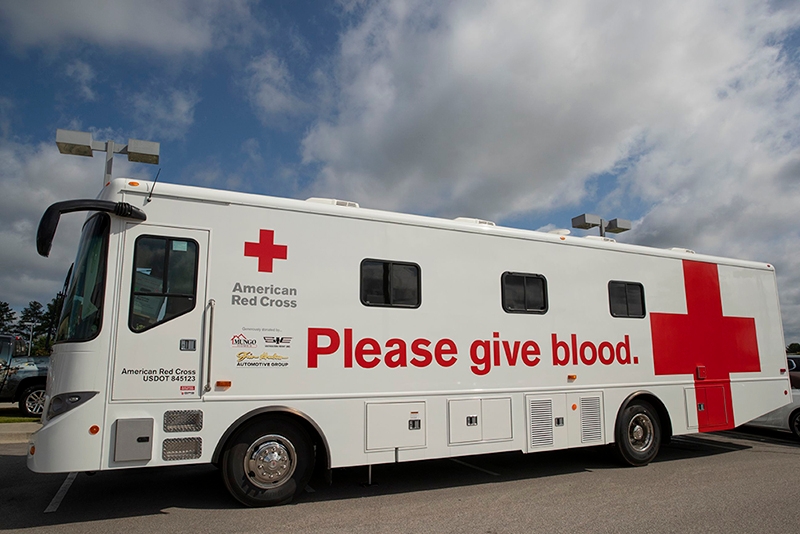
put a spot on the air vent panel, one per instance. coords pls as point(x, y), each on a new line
point(541, 419)
point(591, 420)
point(175, 449)
point(183, 421)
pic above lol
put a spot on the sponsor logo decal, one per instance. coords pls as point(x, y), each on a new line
point(240, 340)
point(282, 342)
point(265, 359)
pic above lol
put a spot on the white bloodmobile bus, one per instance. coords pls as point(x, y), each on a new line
point(269, 336)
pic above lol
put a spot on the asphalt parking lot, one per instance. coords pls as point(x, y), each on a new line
point(740, 481)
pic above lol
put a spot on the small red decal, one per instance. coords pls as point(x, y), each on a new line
point(265, 250)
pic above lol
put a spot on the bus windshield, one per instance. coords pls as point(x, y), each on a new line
point(82, 314)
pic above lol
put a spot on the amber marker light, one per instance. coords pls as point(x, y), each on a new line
point(133, 184)
point(32, 451)
point(574, 407)
point(572, 377)
point(94, 429)
point(223, 383)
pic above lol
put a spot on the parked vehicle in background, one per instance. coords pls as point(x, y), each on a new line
point(22, 378)
point(794, 370)
point(786, 417)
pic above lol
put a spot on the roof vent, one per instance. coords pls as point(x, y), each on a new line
point(333, 202)
point(686, 250)
point(475, 221)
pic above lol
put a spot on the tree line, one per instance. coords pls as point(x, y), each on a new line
point(45, 319)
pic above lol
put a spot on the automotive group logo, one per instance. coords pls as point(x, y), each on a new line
point(278, 342)
point(240, 340)
point(265, 359)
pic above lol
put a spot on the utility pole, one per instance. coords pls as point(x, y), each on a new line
point(32, 324)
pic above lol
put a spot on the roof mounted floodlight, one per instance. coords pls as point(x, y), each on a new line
point(617, 226)
point(587, 221)
point(75, 143)
point(82, 144)
point(143, 151)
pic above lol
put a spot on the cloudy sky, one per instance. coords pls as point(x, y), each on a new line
point(681, 116)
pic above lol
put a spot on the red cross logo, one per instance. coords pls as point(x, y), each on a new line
point(265, 250)
point(706, 344)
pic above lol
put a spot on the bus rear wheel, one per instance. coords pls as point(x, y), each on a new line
point(638, 434)
point(268, 462)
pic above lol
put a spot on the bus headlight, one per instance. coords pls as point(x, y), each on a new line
point(66, 401)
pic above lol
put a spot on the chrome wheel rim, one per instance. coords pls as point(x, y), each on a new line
point(34, 403)
point(270, 461)
point(640, 432)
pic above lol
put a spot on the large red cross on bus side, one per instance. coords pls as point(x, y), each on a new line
point(706, 344)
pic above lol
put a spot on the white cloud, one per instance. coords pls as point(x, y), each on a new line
point(164, 115)
point(173, 27)
point(269, 87)
point(497, 109)
point(84, 75)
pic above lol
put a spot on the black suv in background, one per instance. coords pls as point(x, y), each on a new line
point(22, 378)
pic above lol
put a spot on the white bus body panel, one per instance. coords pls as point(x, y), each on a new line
point(285, 337)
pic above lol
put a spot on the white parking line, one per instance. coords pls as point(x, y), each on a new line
point(475, 467)
point(62, 492)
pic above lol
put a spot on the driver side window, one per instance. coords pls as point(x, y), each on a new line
point(164, 284)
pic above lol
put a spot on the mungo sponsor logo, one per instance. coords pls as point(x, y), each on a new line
point(240, 340)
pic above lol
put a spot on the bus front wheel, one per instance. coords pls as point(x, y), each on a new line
point(268, 462)
point(638, 434)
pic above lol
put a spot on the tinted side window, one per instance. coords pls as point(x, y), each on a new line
point(164, 282)
point(524, 293)
point(390, 283)
point(626, 299)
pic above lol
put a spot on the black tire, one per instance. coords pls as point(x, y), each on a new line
point(283, 451)
point(31, 403)
point(638, 434)
point(794, 423)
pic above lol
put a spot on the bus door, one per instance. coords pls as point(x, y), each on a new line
point(159, 338)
